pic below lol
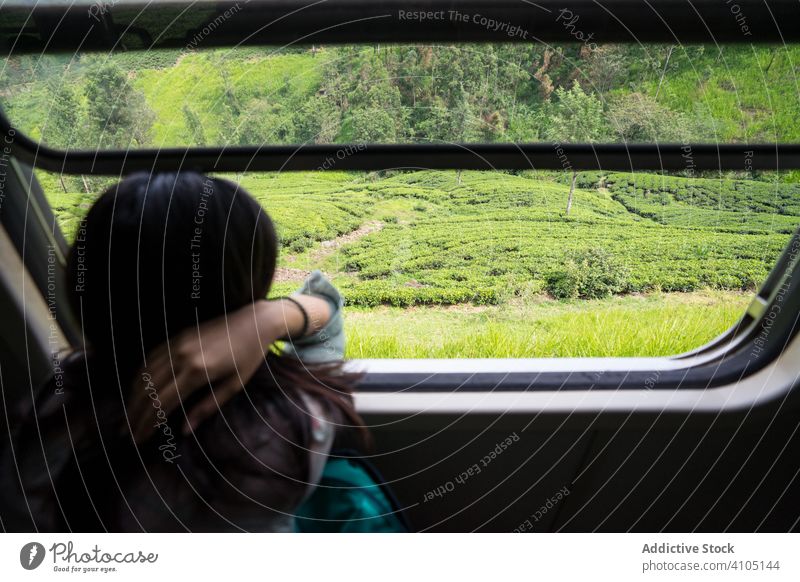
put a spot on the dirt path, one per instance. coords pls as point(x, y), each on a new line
point(326, 248)
point(286, 274)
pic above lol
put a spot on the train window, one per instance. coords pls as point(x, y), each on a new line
point(434, 264)
point(467, 264)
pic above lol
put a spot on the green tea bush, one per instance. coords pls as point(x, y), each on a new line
point(590, 274)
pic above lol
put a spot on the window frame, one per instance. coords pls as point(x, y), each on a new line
point(717, 376)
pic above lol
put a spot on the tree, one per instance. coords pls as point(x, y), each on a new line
point(194, 125)
point(464, 123)
point(637, 117)
point(375, 111)
point(664, 72)
point(373, 124)
point(229, 125)
point(264, 122)
point(116, 112)
point(318, 120)
point(576, 116)
point(64, 123)
point(605, 66)
point(526, 124)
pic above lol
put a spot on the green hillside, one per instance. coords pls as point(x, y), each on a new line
point(414, 93)
point(273, 87)
point(748, 93)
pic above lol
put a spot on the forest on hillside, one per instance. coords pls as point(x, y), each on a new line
point(484, 93)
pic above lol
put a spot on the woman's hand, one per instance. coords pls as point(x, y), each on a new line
point(224, 352)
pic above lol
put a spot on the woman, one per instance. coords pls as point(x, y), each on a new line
point(133, 437)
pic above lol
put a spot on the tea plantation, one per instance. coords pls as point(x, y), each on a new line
point(495, 236)
point(499, 246)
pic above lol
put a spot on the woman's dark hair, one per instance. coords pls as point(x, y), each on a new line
point(159, 253)
point(156, 254)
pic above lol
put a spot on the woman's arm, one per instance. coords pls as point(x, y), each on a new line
point(285, 317)
point(225, 351)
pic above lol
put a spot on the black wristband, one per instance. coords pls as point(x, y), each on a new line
point(303, 312)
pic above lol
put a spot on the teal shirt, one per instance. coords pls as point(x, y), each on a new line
point(347, 498)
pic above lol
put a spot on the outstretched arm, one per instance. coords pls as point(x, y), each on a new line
point(225, 351)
